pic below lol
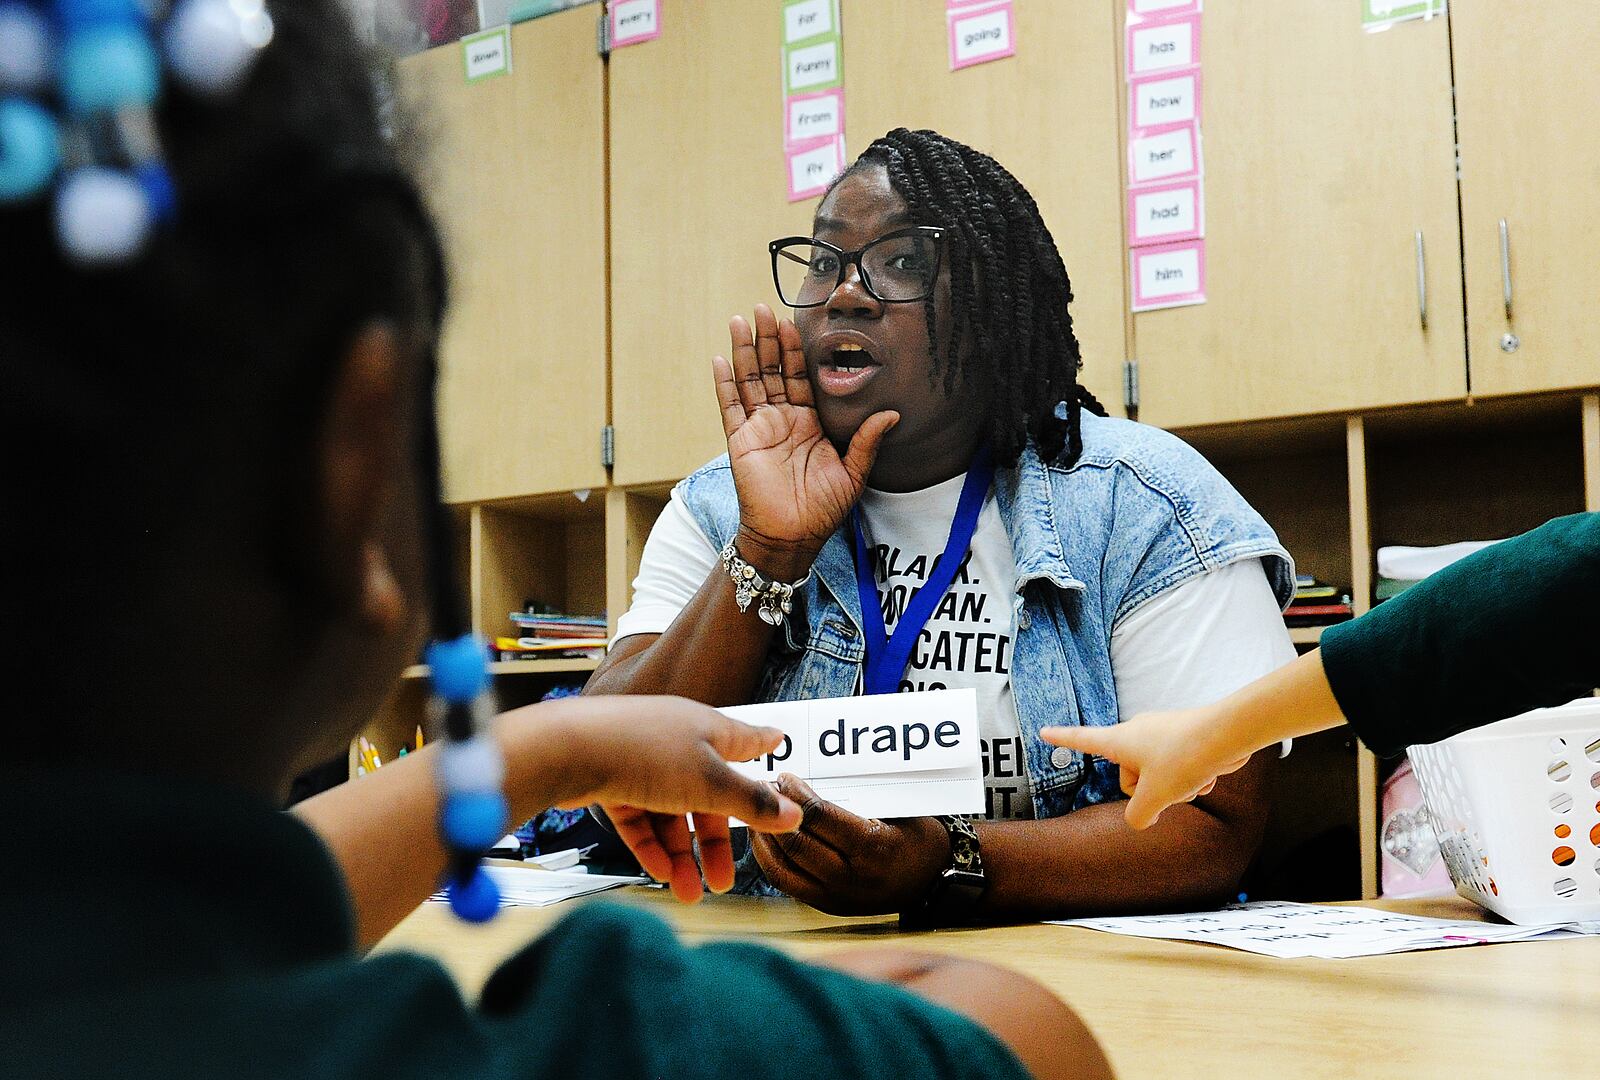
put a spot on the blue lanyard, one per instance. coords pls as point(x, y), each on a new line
point(886, 658)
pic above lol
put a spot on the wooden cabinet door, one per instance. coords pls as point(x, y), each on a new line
point(1525, 90)
point(1326, 151)
point(1049, 115)
point(515, 169)
point(697, 191)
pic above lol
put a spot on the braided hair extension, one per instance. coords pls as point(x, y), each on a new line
point(1011, 330)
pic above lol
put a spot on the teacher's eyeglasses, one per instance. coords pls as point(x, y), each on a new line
point(896, 268)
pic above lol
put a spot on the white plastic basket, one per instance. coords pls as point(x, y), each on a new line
point(1516, 807)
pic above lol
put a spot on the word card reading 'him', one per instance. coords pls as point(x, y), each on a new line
point(887, 755)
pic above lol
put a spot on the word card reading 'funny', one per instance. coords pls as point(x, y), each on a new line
point(883, 756)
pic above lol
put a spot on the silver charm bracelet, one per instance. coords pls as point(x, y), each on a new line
point(776, 597)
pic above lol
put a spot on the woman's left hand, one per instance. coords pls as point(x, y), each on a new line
point(848, 865)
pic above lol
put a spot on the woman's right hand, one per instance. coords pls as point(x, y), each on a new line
point(794, 488)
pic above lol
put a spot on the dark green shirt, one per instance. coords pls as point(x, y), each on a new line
point(165, 930)
point(1510, 628)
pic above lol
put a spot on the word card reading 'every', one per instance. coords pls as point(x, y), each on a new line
point(886, 755)
point(635, 21)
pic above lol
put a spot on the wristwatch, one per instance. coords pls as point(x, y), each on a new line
point(957, 890)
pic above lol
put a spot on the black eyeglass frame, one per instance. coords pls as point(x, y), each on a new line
point(846, 258)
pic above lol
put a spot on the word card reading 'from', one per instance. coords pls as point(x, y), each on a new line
point(814, 116)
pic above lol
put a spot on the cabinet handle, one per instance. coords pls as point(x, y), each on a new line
point(1422, 282)
point(1505, 264)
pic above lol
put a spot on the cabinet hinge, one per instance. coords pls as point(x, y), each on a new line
point(1130, 385)
point(608, 446)
point(602, 34)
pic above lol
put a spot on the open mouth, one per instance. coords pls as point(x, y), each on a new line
point(843, 361)
point(850, 358)
point(845, 368)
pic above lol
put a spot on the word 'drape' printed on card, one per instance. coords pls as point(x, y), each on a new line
point(885, 755)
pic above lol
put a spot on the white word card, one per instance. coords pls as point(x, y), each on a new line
point(813, 164)
point(1164, 213)
point(1163, 7)
point(634, 22)
point(883, 756)
point(1169, 275)
point(815, 116)
point(812, 66)
point(1286, 930)
point(1163, 44)
point(981, 33)
point(808, 19)
point(1164, 154)
point(1165, 99)
point(486, 54)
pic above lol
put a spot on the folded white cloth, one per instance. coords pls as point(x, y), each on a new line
point(1416, 563)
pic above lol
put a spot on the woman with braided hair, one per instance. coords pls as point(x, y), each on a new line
point(923, 401)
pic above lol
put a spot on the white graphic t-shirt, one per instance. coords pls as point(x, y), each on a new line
point(967, 640)
point(1192, 645)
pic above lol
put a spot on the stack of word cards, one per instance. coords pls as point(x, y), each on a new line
point(813, 96)
point(1166, 207)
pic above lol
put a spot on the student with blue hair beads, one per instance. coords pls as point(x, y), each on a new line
point(219, 301)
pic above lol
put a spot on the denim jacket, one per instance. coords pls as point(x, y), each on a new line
point(1138, 513)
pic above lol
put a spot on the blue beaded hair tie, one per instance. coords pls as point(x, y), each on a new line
point(472, 809)
point(79, 83)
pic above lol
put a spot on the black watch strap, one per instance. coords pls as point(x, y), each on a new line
point(957, 890)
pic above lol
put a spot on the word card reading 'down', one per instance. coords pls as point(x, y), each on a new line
point(883, 756)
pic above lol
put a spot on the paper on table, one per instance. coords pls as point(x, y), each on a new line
point(1285, 930)
point(886, 755)
point(530, 887)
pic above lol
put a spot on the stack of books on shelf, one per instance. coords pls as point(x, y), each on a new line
point(1316, 604)
point(539, 635)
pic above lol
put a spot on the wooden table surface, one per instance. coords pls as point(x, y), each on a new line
point(1165, 1009)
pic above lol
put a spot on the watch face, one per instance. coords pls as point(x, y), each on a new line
point(964, 845)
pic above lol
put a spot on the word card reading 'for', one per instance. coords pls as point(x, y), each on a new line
point(887, 755)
